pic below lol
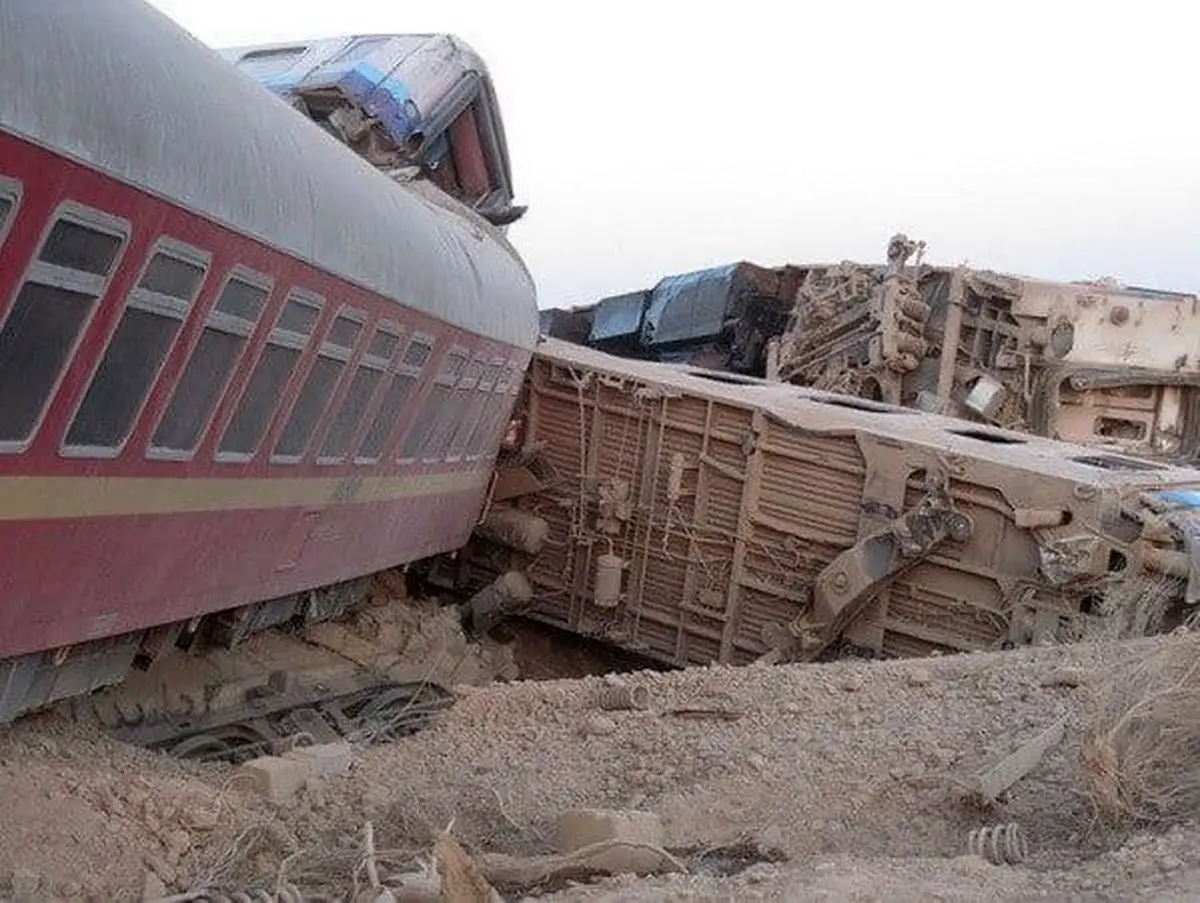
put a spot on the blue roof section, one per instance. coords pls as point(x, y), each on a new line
point(618, 316)
point(689, 306)
point(396, 78)
point(1186, 498)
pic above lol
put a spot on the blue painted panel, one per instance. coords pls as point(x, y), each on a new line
point(689, 306)
point(618, 316)
point(1188, 498)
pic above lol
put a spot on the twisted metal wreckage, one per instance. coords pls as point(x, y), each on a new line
point(1090, 362)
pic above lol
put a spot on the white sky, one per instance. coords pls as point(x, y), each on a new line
point(1047, 137)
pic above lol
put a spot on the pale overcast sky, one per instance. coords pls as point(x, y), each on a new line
point(1051, 138)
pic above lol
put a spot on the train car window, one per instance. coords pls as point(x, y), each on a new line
point(226, 333)
point(152, 319)
point(319, 387)
point(367, 377)
point(383, 344)
point(286, 343)
point(404, 378)
point(46, 320)
point(454, 411)
point(344, 332)
point(10, 198)
point(496, 406)
point(476, 411)
point(428, 417)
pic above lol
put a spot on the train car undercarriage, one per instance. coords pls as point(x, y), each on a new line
point(697, 517)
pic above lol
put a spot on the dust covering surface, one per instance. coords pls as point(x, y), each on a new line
point(851, 777)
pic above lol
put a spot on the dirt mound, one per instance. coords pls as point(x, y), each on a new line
point(858, 774)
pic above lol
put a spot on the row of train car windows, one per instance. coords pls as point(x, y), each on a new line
point(462, 416)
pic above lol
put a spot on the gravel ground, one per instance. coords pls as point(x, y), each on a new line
point(851, 774)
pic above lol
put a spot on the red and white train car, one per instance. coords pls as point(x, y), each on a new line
point(236, 361)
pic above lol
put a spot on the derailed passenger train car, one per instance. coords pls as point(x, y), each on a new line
point(699, 516)
point(239, 368)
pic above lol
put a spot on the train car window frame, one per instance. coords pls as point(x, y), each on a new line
point(12, 191)
point(226, 323)
point(282, 336)
point(80, 282)
point(371, 362)
point(329, 349)
point(454, 413)
point(477, 406)
point(494, 403)
point(144, 300)
point(431, 405)
point(405, 369)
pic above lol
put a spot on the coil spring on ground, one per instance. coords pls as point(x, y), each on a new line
point(999, 844)
point(287, 893)
point(622, 696)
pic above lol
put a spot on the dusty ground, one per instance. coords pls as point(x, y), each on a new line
point(849, 772)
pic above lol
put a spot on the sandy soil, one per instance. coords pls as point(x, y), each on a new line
point(850, 775)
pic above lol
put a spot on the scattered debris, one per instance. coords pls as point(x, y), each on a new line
point(611, 857)
point(462, 879)
point(273, 777)
point(580, 828)
point(1065, 677)
point(793, 801)
point(990, 785)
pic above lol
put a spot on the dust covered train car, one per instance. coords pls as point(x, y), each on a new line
point(1106, 365)
point(699, 516)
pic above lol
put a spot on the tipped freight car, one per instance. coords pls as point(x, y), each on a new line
point(698, 516)
point(238, 365)
point(1107, 365)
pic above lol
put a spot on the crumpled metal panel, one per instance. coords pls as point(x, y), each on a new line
point(397, 79)
point(689, 306)
point(618, 316)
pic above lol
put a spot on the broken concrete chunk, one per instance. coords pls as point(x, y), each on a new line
point(274, 778)
point(579, 828)
point(324, 759)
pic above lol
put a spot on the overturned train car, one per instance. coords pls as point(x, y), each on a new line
point(698, 516)
point(1110, 366)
